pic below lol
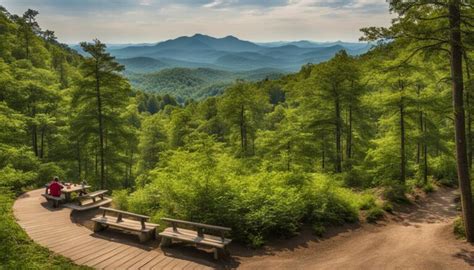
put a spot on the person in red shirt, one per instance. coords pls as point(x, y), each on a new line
point(55, 188)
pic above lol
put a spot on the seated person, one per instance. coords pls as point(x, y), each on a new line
point(55, 187)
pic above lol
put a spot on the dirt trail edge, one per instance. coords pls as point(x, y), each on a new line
point(422, 238)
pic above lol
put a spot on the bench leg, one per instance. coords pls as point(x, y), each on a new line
point(218, 251)
point(165, 241)
point(98, 227)
point(144, 237)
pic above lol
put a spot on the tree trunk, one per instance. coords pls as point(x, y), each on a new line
point(338, 166)
point(468, 110)
point(349, 136)
point(458, 107)
point(402, 143)
point(420, 119)
point(79, 164)
point(42, 142)
point(101, 127)
point(425, 157)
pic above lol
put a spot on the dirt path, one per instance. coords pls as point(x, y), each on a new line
point(421, 238)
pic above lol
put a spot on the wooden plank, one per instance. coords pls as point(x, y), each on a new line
point(126, 224)
point(88, 206)
point(143, 261)
point(153, 262)
point(124, 212)
point(114, 264)
point(139, 257)
point(202, 225)
point(75, 246)
point(163, 263)
point(117, 253)
point(87, 250)
point(110, 248)
point(118, 256)
point(74, 239)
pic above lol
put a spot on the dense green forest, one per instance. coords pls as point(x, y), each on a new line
point(330, 144)
point(197, 83)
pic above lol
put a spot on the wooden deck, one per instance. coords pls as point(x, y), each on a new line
point(54, 229)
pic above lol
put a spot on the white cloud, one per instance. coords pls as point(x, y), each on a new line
point(154, 20)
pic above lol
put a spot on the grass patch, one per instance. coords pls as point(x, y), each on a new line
point(17, 250)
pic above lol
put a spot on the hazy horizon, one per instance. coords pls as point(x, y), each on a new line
point(152, 21)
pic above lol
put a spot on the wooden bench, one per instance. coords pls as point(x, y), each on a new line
point(55, 200)
point(92, 196)
point(145, 230)
point(197, 236)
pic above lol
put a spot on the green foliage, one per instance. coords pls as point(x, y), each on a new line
point(458, 228)
point(120, 199)
point(47, 171)
point(330, 204)
point(444, 170)
point(198, 83)
point(374, 213)
point(395, 192)
point(387, 206)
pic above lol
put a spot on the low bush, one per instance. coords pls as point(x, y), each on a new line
point(374, 213)
point(428, 187)
point(330, 204)
point(387, 207)
point(458, 228)
point(366, 201)
point(395, 192)
point(120, 199)
point(204, 187)
point(443, 168)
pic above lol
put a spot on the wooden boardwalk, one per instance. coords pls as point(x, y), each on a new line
point(54, 229)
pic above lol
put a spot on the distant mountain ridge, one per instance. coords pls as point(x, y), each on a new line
point(198, 66)
point(228, 53)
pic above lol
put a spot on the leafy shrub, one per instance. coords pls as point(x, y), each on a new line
point(366, 201)
point(268, 206)
point(329, 204)
point(443, 168)
point(395, 192)
point(120, 199)
point(428, 187)
point(458, 228)
point(318, 229)
point(373, 214)
point(144, 200)
point(47, 171)
point(15, 180)
point(387, 207)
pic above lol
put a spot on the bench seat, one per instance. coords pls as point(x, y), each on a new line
point(197, 236)
point(191, 236)
point(90, 204)
point(54, 199)
point(138, 225)
point(125, 224)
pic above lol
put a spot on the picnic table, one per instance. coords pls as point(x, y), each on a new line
point(70, 188)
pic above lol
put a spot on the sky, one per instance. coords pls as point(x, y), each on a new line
point(148, 21)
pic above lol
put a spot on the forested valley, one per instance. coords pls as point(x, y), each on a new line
point(337, 142)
